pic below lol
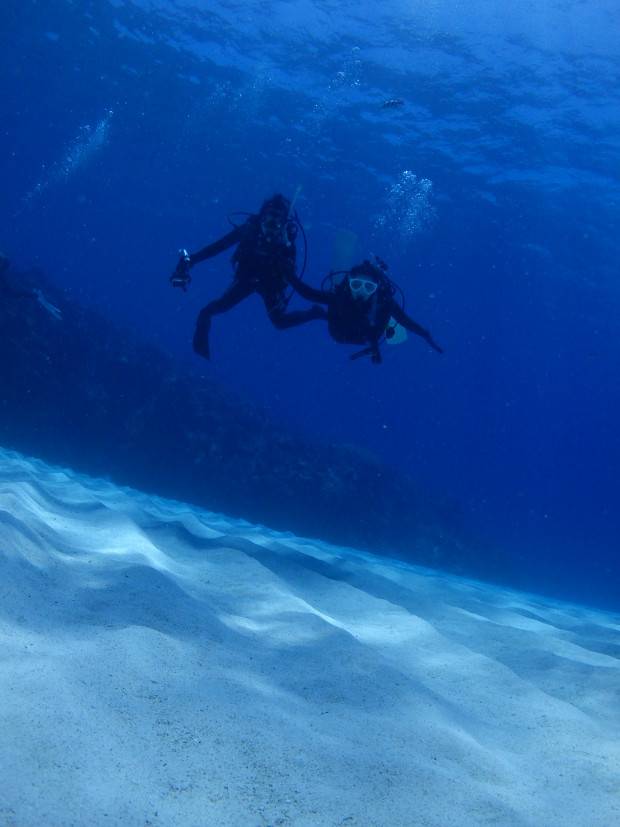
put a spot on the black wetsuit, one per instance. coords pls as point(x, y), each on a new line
point(355, 321)
point(262, 266)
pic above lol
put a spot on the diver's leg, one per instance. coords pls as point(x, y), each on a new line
point(235, 293)
point(282, 320)
point(275, 305)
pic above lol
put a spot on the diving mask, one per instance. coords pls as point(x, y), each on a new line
point(362, 288)
point(272, 224)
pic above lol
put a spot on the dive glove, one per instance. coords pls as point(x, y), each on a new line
point(429, 339)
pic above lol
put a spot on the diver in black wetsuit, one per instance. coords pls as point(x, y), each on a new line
point(362, 310)
point(264, 263)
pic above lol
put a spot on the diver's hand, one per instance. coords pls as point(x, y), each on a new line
point(181, 277)
point(429, 339)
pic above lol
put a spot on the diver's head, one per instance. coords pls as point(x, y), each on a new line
point(273, 216)
point(364, 280)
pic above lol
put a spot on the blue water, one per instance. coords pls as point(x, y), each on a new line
point(131, 129)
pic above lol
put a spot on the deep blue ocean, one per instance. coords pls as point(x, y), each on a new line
point(131, 129)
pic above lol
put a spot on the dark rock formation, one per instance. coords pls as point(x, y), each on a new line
point(80, 392)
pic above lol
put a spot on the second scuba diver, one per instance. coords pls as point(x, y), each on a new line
point(264, 263)
point(362, 308)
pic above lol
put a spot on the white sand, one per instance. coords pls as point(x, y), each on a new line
point(163, 665)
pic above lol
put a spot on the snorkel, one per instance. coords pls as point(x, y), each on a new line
point(291, 216)
point(293, 202)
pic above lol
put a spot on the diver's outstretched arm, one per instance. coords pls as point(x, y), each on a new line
point(312, 294)
point(217, 247)
point(407, 322)
point(181, 277)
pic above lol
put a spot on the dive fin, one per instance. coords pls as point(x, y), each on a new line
point(395, 333)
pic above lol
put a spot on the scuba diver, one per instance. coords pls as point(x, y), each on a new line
point(264, 263)
point(362, 309)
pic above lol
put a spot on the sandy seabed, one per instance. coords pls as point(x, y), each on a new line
point(163, 665)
